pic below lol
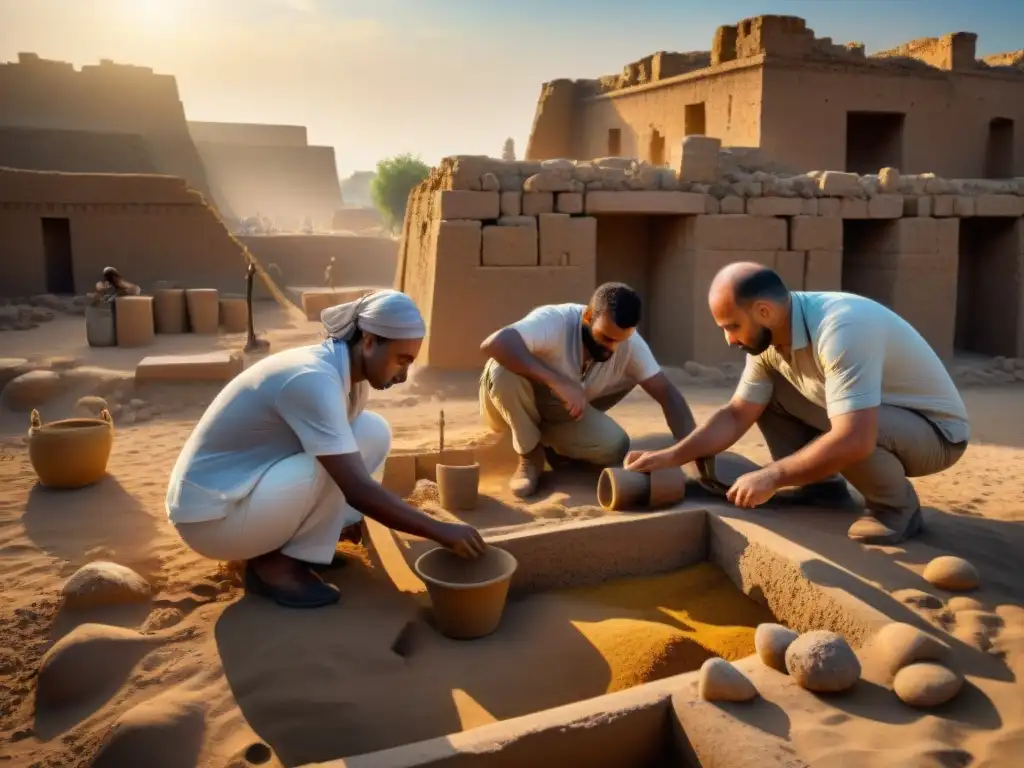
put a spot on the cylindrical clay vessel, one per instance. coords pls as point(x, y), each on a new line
point(619, 488)
point(668, 486)
point(234, 315)
point(203, 309)
point(99, 326)
point(468, 596)
point(458, 486)
point(170, 310)
point(134, 318)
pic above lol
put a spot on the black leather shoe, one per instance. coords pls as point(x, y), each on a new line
point(312, 594)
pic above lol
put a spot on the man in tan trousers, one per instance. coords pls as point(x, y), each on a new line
point(837, 383)
point(552, 376)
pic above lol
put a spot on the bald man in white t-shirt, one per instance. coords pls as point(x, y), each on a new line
point(551, 376)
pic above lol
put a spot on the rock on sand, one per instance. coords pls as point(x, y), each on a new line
point(926, 684)
point(168, 730)
point(822, 662)
point(90, 406)
point(952, 573)
point(721, 681)
point(103, 583)
point(771, 642)
point(899, 645)
point(30, 390)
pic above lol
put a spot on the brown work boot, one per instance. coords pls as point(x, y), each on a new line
point(526, 478)
point(885, 527)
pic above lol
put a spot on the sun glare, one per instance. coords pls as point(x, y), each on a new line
point(155, 12)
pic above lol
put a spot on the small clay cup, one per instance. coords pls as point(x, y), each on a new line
point(668, 486)
point(458, 486)
point(468, 596)
point(619, 488)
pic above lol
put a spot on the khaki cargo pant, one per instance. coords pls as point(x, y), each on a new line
point(908, 446)
point(535, 415)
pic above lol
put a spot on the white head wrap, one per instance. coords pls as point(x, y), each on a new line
point(389, 314)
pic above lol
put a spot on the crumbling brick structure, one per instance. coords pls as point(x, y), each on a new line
point(768, 82)
point(486, 240)
point(118, 118)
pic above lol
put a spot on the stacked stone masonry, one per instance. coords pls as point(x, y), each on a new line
point(487, 240)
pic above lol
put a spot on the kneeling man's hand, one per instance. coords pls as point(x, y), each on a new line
point(754, 488)
point(647, 461)
point(463, 540)
point(572, 396)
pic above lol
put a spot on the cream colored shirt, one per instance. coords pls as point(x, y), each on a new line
point(850, 353)
point(553, 333)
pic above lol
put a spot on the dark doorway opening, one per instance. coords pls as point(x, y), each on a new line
point(988, 293)
point(60, 272)
point(866, 269)
point(999, 149)
point(656, 150)
point(874, 140)
point(695, 119)
point(614, 142)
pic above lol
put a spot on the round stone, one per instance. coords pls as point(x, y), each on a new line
point(951, 573)
point(771, 642)
point(961, 603)
point(926, 684)
point(103, 583)
point(30, 390)
point(899, 645)
point(721, 681)
point(823, 662)
point(90, 406)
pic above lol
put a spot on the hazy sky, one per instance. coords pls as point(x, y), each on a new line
point(374, 78)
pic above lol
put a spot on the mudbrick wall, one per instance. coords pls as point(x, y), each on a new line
point(769, 82)
point(58, 231)
point(486, 240)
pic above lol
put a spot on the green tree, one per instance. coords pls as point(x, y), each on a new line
point(396, 178)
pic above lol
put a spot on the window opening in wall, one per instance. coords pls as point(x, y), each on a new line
point(874, 140)
point(614, 142)
point(987, 290)
point(999, 149)
point(866, 270)
point(656, 150)
point(694, 120)
point(60, 273)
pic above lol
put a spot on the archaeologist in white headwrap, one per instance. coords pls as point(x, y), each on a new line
point(281, 465)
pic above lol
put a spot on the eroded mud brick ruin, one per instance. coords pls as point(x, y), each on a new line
point(120, 118)
point(898, 175)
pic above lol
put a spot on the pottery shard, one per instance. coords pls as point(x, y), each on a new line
point(771, 642)
point(721, 681)
point(823, 662)
point(103, 583)
point(30, 390)
point(927, 685)
point(900, 645)
point(952, 573)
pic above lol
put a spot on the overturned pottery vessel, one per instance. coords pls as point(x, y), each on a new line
point(619, 488)
point(71, 453)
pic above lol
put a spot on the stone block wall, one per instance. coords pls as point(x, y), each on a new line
point(488, 240)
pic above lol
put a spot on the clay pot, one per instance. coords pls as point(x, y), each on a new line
point(668, 486)
point(170, 310)
point(203, 309)
point(71, 453)
point(234, 315)
point(468, 596)
point(458, 486)
point(134, 320)
point(99, 327)
point(619, 488)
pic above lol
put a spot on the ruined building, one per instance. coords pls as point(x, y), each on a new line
point(927, 106)
point(116, 118)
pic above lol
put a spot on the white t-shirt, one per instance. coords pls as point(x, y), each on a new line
point(553, 334)
point(297, 401)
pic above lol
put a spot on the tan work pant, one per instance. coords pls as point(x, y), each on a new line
point(908, 446)
point(535, 415)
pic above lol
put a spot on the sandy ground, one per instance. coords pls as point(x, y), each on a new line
point(204, 676)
